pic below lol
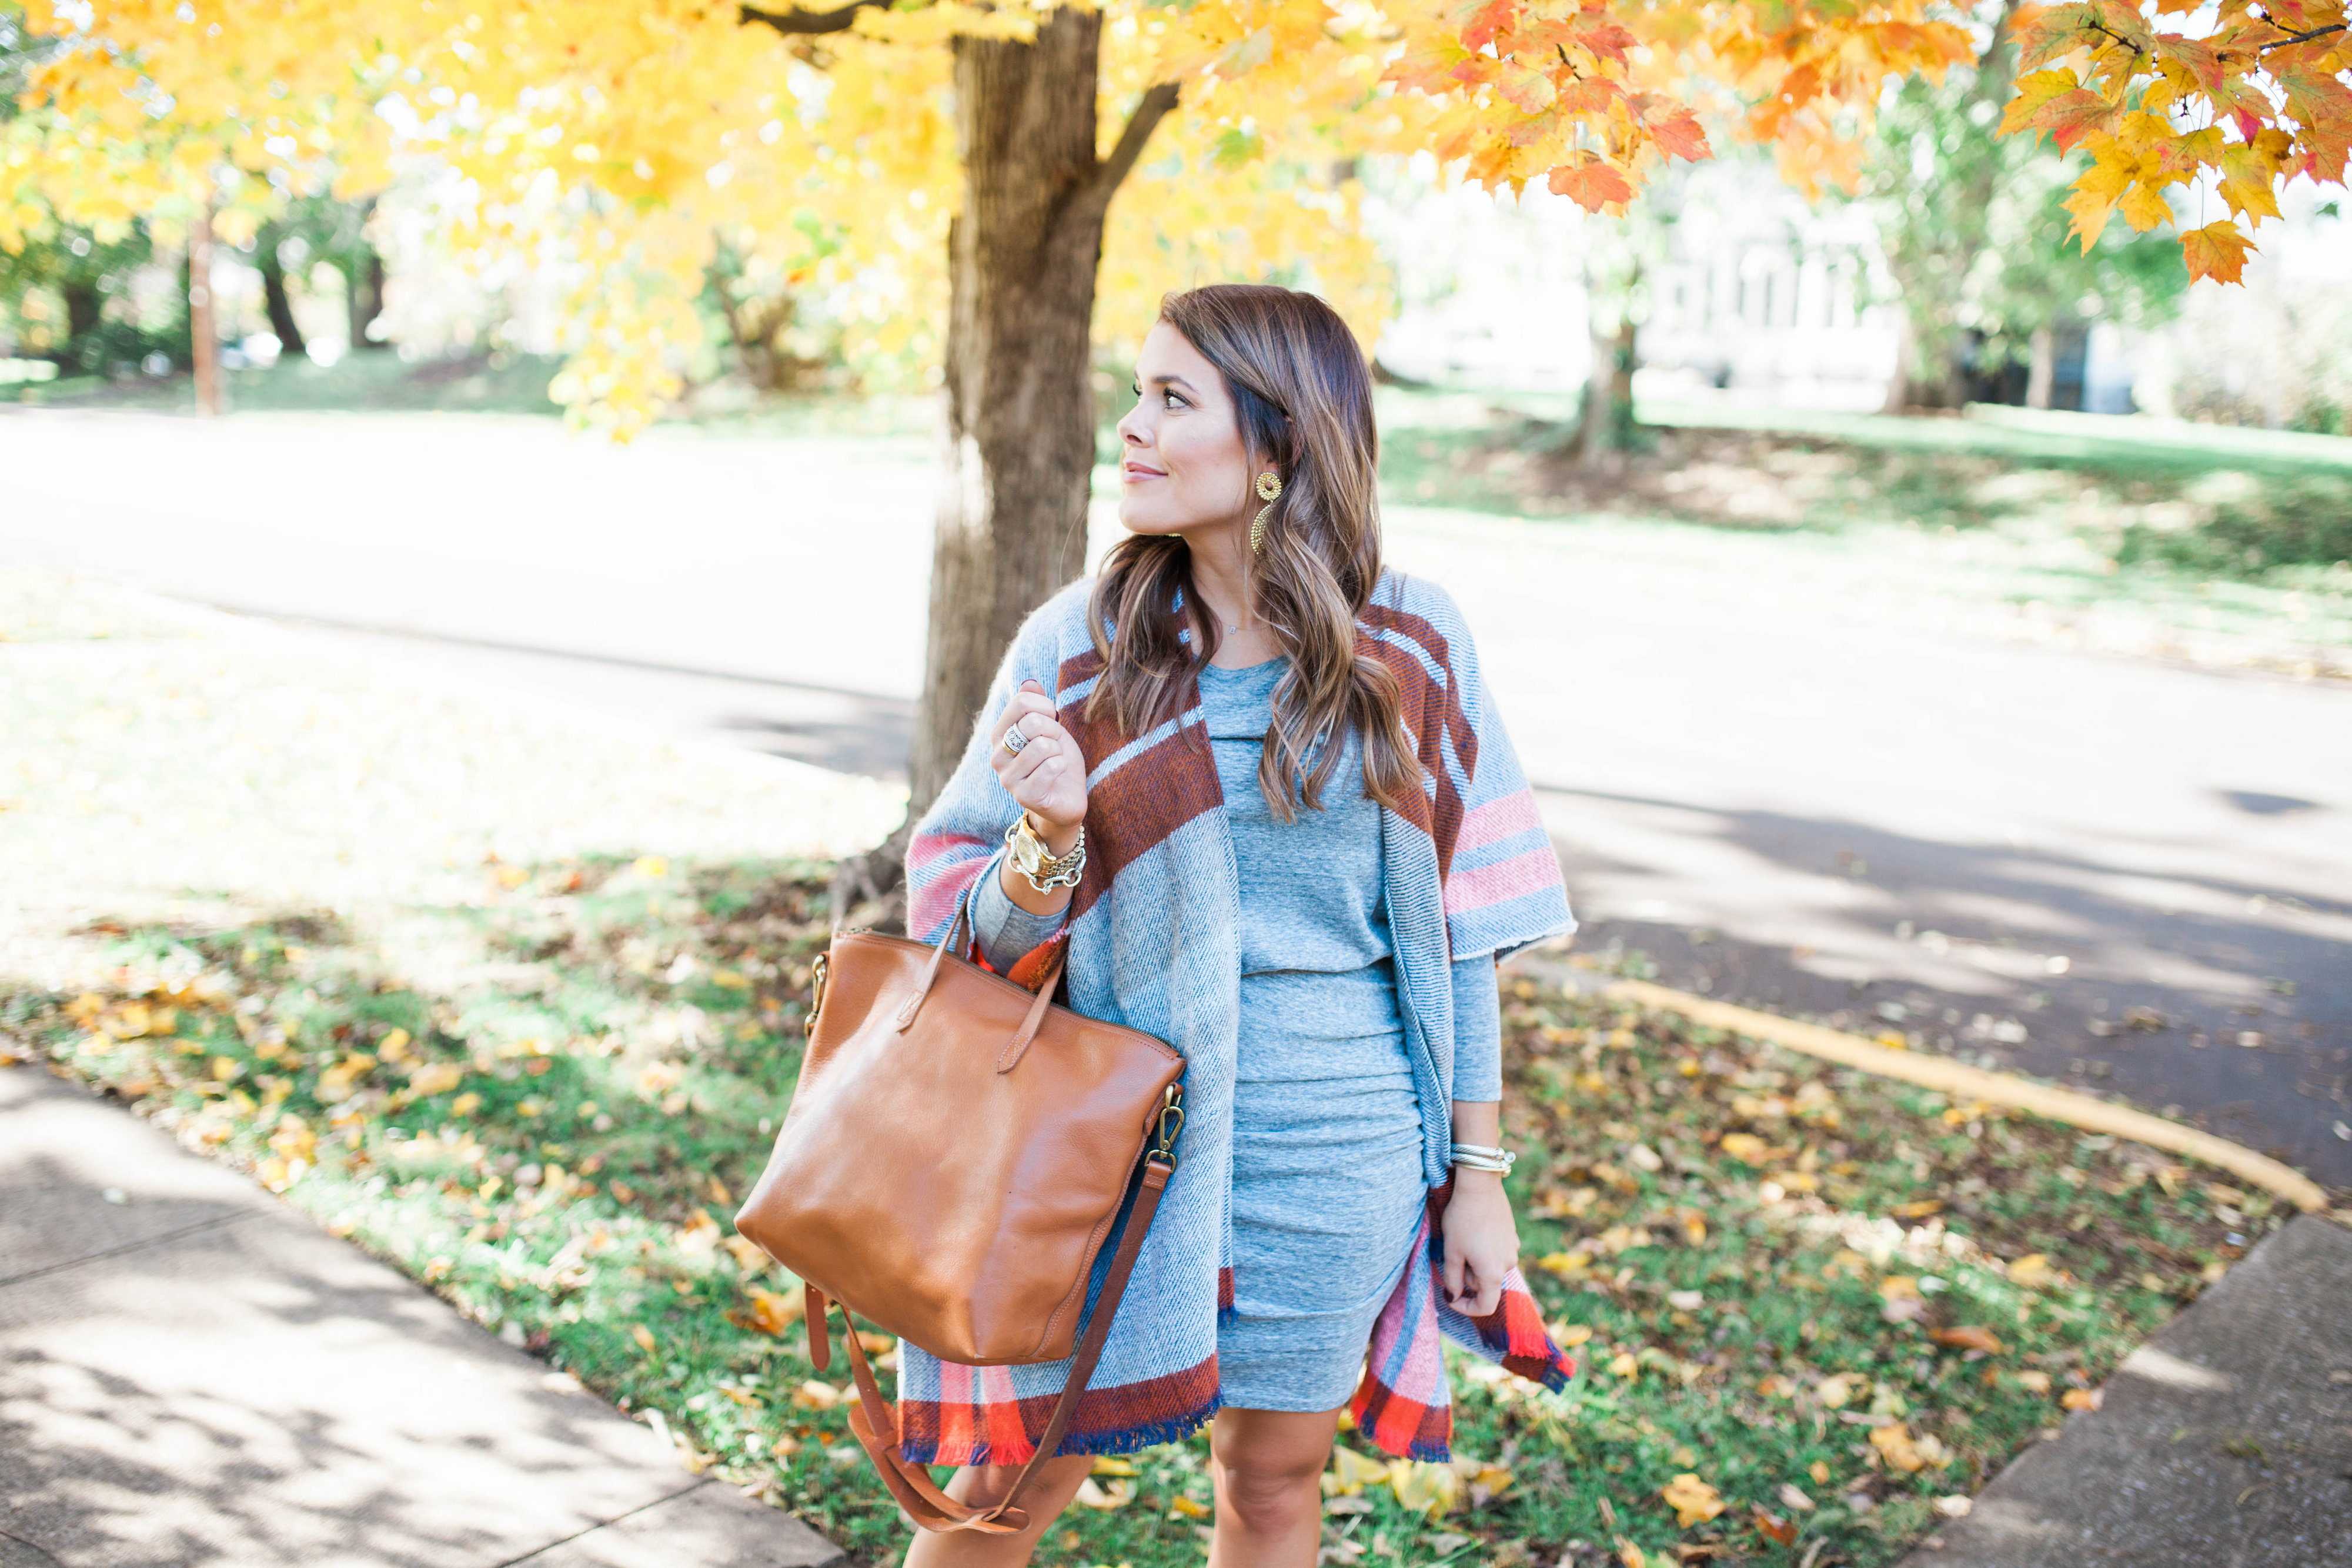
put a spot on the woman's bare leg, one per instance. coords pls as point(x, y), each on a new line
point(1047, 1496)
point(1267, 1466)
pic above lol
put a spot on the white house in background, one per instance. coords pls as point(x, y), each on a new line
point(1764, 300)
point(1761, 299)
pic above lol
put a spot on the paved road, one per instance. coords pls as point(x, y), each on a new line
point(2127, 875)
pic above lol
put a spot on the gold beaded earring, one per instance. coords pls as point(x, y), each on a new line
point(1269, 488)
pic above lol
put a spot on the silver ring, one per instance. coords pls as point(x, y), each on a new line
point(1015, 741)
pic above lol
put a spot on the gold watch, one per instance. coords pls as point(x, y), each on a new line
point(1043, 872)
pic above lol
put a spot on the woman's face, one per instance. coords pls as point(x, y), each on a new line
point(1183, 465)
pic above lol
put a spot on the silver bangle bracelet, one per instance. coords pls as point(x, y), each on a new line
point(1497, 1164)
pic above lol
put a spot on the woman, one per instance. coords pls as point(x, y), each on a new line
point(1254, 782)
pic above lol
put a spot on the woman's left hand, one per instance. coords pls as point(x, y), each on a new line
point(1482, 1242)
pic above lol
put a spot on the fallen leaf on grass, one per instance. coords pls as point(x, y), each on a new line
point(1773, 1528)
point(1746, 1148)
point(1443, 1541)
point(1185, 1507)
point(816, 1395)
point(2033, 1381)
point(1567, 1336)
point(749, 1253)
point(1631, 1556)
point(1834, 1392)
point(1954, 1507)
point(1820, 1472)
point(1094, 1494)
point(1919, 1210)
point(434, 1078)
point(1795, 1499)
point(2081, 1398)
point(644, 1336)
point(1111, 1465)
point(1970, 1337)
point(698, 1236)
point(2032, 1270)
point(1350, 1472)
point(1424, 1488)
point(1692, 1501)
point(771, 1312)
point(1895, 1445)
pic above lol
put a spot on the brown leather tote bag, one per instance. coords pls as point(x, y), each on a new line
point(957, 1153)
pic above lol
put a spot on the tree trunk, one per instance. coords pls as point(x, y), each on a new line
point(1607, 428)
point(84, 308)
point(364, 290)
point(1017, 439)
point(2042, 370)
point(274, 297)
point(204, 345)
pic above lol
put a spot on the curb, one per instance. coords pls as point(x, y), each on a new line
point(1954, 1078)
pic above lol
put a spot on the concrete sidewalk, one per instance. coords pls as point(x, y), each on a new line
point(191, 1373)
point(2223, 1442)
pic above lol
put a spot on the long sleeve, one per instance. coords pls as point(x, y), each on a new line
point(1007, 932)
point(1478, 1030)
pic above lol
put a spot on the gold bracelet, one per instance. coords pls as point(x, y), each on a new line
point(1043, 872)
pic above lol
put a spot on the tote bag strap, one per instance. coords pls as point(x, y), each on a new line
point(876, 1423)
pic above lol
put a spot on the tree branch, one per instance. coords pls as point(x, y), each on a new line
point(1113, 171)
point(798, 23)
point(2293, 39)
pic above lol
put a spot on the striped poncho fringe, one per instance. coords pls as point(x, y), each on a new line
point(1153, 936)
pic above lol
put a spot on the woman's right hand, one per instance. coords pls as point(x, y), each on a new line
point(1048, 776)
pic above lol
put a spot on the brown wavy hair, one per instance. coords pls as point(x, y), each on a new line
point(1303, 398)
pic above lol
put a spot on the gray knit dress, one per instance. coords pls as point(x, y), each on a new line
point(1327, 1179)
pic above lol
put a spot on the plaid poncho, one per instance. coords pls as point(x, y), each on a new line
point(1152, 932)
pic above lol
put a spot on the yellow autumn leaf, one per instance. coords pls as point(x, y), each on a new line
point(2033, 1271)
point(644, 1336)
point(1352, 1473)
point(1746, 1148)
point(698, 1236)
point(1567, 1336)
point(1693, 1499)
point(1093, 1493)
point(1624, 1365)
point(1835, 1393)
point(1112, 1465)
point(1424, 1488)
point(393, 1047)
point(1185, 1507)
point(1893, 1444)
point(2033, 1381)
point(436, 1078)
point(770, 1312)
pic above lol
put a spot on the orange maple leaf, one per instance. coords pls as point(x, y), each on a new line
point(2217, 251)
point(1591, 185)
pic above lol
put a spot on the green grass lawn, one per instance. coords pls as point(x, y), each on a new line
point(2158, 529)
point(1827, 1300)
